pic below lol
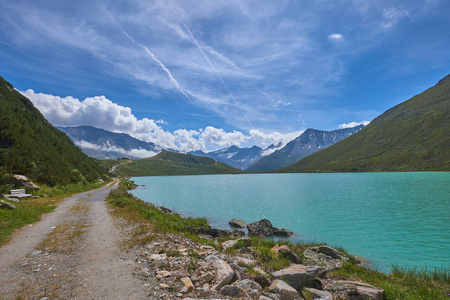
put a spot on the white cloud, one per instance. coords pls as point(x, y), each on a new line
point(336, 37)
point(138, 153)
point(392, 16)
point(275, 138)
point(222, 138)
point(101, 113)
point(353, 124)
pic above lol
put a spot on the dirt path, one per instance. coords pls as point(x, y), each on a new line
point(73, 253)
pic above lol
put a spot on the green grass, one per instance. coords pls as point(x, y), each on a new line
point(133, 207)
point(29, 211)
point(170, 163)
point(402, 283)
point(412, 136)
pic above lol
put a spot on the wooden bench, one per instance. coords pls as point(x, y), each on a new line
point(19, 193)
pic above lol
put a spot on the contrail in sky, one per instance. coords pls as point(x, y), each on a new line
point(209, 61)
point(172, 79)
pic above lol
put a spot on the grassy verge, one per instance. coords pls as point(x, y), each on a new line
point(400, 284)
point(132, 208)
point(29, 211)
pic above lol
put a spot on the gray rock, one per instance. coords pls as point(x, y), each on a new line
point(233, 291)
point(269, 296)
point(262, 228)
point(313, 294)
point(238, 223)
point(237, 232)
point(262, 280)
point(238, 272)
point(6, 205)
point(284, 251)
point(282, 232)
point(324, 256)
point(224, 273)
point(207, 277)
point(297, 276)
point(244, 242)
point(24, 181)
point(353, 290)
point(285, 291)
point(251, 287)
point(214, 232)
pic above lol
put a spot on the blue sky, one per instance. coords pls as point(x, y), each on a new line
point(210, 74)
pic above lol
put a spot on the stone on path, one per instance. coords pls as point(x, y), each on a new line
point(187, 284)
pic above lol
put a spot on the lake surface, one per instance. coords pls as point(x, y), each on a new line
point(389, 218)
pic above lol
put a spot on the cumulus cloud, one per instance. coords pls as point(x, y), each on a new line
point(392, 16)
point(336, 37)
point(353, 124)
point(99, 112)
point(273, 138)
point(102, 113)
point(222, 138)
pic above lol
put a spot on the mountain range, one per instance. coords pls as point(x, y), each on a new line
point(412, 136)
point(103, 144)
point(307, 143)
point(239, 158)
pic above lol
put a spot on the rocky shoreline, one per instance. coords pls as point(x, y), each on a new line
point(227, 266)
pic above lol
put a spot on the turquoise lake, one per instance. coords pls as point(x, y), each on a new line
point(388, 218)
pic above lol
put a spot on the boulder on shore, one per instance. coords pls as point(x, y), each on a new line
point(344, 289)
point(285, 291)
point(214, 232)
point(324, 256)
point(261, 228)
point(238, 223)
point(282, 232)
point(297, 276)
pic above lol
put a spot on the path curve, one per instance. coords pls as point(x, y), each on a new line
point(88, 265)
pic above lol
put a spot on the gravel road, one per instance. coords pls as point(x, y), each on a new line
point(72, 253)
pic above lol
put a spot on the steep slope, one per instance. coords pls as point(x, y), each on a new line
point(239, 158)
point(31, 146)
point(307, 143)
point(412, 136)
point(170, 163)
point(103, 144)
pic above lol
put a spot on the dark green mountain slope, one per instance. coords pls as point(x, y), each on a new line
point(412, 136)
point(170, 163)
point(31, 146)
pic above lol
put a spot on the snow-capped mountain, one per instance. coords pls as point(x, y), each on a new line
point(307, 143)
point(239, 158)
point(103, 144)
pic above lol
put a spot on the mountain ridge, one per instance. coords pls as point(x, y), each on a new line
point(411, 136)
point(309, 142)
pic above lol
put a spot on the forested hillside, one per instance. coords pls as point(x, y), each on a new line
point(31, 146)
